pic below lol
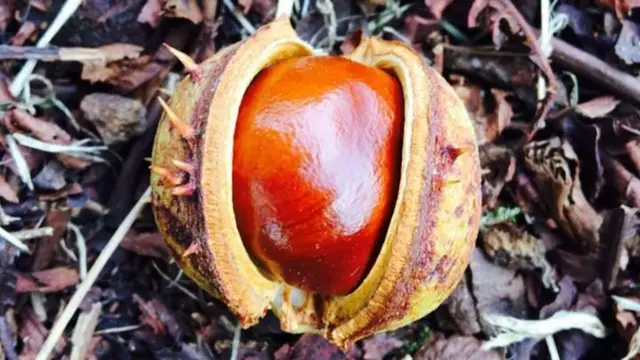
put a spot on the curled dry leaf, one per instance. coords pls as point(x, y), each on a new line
point(46, 281)
point(116, 57)
point(489, 110)
point(556, 171)
point(497, 290)
point(456, 347)
point(499, 165)
point(7, 192)
point(628, 45)
point(597, 107)
point(511, 247)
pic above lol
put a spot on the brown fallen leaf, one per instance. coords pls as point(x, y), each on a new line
point(313, 346)
point(262, 7)
point(597, 107)
point(146, 244)
point(47, 131)
point(151, 12)
point(458, 312)
point(377, 346)
point(499, 166)
point(556, 170)
point(621, 7)
point(496, 289)
point(51, 280)
point(6, 192)
point(437, 7)
point(158, 316)
point(185, 9)
point(6, 14)
point(456, 347)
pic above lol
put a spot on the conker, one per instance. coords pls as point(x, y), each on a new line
point(341, 193)
point(316, 169)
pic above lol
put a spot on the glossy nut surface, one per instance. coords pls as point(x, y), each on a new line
point(316, 169)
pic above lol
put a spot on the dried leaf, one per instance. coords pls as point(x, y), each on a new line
point(628, 45)
point(597, 107)
point(512, 247)
point(496, 289)
point(621, 7)
point(262, 7)
point(160, 318)
point(46, 131)
point(437, 7)
point(46, 281)
point(501, 115)
point(313, 346)
point(146, 244)
point(458, 312)
point(379, 345)
point(6, 192)
point(456, 347)
point(556, 171)
point(185, 9)
point(6, 13)
point(151, 12)
point(499, 165)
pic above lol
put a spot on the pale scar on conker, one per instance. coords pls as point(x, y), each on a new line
point(339, 192)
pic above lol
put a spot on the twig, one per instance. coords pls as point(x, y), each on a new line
point(619, 83)
point(244, 22)
point(235, 345)
point(67, 10)
point(117, 330)
point(551, 346)
point(92, 275)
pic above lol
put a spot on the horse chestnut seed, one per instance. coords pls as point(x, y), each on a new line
point(316, 167)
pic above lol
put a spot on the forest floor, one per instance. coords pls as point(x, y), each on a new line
point(552, 89)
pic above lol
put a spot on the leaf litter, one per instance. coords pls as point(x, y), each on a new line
point(553, 271)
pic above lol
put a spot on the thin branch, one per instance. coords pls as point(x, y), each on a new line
point(67, 10)
point(82, 290)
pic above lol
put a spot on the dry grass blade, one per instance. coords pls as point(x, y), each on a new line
point(84, 287)
point(510, 330)
point(84, 330)
point(13, 240)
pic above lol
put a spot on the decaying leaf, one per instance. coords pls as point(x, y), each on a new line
point(47, 131)
point(556, 170)
point(497, 290)
point(185, 9)
point(263, 7)
point(455, 347)
point(458, 312)
point(499, 165)
point(45, 281)
point(7, 192)
point(151, 12)
point(379, 345)
point(145, 244)
point(628, 45)
point(511, 247)
point(437, 7)
point(597, 107)
point(313, 346)
point(489, 110)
